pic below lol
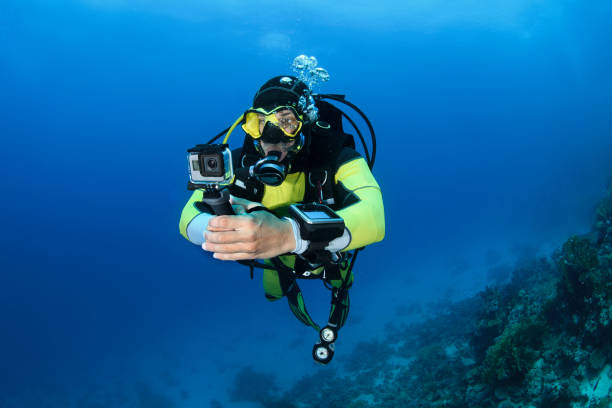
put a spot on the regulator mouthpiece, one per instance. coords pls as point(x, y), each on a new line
point(269, 170)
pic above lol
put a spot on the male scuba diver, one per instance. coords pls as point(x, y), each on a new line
point(303, 197)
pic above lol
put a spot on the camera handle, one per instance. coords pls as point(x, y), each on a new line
point(218, 200)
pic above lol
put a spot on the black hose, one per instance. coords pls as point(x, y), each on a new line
point(218, 136)
point(340, 98)
point(363, 143)
point(350, 269)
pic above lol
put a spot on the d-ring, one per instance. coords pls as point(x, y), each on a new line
point(310, 180)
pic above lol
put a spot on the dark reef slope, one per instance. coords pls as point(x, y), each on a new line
point(543, 339)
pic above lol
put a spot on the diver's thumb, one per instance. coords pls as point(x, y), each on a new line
point(243, 202)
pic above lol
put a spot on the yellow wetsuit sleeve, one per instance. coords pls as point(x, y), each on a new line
point(189, 212)
point(362, 205)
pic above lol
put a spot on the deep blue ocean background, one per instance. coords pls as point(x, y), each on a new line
point(494, 124)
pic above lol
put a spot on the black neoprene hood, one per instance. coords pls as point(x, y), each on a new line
point(281, 91)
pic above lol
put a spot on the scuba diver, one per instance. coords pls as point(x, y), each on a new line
point(302, 198)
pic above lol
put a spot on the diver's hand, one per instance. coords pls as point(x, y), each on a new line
point(241, 205)
point(256, 235)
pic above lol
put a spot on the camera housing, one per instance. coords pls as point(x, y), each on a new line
point(210, 165)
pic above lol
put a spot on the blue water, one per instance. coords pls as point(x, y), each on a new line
point(494, 127)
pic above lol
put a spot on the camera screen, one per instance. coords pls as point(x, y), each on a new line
point(316, 215)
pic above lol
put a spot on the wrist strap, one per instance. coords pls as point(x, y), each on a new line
point(301, 245)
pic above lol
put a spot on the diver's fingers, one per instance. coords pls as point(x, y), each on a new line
point(235, 248)
point(239, 256)
point(229, 222)
point(229, 237)
point(217, 229)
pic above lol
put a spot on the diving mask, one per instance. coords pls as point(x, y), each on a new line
point(258, 122)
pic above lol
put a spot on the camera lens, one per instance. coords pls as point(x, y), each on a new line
point(212, 163)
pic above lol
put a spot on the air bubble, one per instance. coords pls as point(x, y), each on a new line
point(322, 74)
point(307, 71)
point(300, 62)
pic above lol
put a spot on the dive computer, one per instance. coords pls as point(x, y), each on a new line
point(317, 222)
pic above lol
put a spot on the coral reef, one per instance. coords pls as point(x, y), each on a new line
point(541, 339)
point(514, 352)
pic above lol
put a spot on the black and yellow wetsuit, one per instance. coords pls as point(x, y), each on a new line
point(329, 173)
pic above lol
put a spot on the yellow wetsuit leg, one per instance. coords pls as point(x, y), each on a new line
point(271, 281)
point(282, 283)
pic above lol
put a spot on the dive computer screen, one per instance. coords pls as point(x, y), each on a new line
point(316, 215)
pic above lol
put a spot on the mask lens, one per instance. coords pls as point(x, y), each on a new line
point(288, 122)
point(284, 118)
